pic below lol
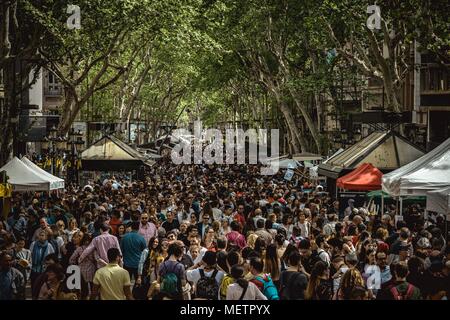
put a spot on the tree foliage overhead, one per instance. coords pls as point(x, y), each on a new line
point(264, 63)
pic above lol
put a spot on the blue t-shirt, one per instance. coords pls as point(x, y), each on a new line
point(132, 245)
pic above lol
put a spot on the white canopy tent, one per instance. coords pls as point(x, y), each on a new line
point(286, 163)
point(23, 178)
point(439, 201)
point(433, 175)
point(429, 172)
point(55, 182)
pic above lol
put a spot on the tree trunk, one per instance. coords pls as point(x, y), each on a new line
point(309, 122)
point(10, 115)
point(68, 111)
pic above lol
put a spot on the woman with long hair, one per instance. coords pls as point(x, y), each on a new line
point(69, 248)
point(149, 263)
point(242, 289)
point(147, 271)
point(350, 280)
point(272, 263)
point(120, 232)
point(319, 286)
point(87, 267)
point(366, 246)
point(217, 228)
point(251, 239)
point(260, 246)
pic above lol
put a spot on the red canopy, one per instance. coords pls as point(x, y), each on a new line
point(365, 177)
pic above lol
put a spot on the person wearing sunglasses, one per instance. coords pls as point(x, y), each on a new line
point(203, 225)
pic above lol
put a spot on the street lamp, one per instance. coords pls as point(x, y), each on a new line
point(53, 132)
point(61, 144)
point(76, 144)
point(45, 142)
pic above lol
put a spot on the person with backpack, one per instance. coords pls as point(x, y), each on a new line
point(293, 281)
point(206, 277)
point(403, 290)
point(242, 289)
point(171, 275)
point(263, 281)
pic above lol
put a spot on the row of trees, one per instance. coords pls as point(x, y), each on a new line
point(263, 61)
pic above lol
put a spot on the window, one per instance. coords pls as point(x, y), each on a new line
point(434, 79)
point(53, 84)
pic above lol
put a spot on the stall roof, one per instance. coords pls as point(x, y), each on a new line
point(429, 172)
point(24, 178)
point(110, 153)
point(364, 178)
point(306, 156)
point(55, 182)
point(433, 175)
point(384, 150)
point(110, 148)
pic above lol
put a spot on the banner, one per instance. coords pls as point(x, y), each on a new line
point(289, 174)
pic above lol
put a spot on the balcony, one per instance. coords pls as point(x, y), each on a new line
point(53, 90)
point(434, 86)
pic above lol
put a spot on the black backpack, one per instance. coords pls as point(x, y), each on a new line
point(207, 287)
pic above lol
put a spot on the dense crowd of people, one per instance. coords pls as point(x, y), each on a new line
point(216, 232)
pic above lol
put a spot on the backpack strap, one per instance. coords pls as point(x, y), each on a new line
point(395, 292)
point(244, 291)
point(213, 276)
point(409, 291)
point(202, 273)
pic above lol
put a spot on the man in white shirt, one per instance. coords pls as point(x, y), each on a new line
point(208, 267)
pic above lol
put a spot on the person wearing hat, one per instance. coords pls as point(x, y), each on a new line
point(207, 268)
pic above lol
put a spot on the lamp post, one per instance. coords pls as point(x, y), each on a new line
point(74, 147)
point(51, 150)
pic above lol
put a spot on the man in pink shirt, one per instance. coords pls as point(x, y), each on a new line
point(147, 229)
point(100, 246)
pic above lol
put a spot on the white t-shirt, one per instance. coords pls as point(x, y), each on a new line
point(234, 292)
point(194, 276)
